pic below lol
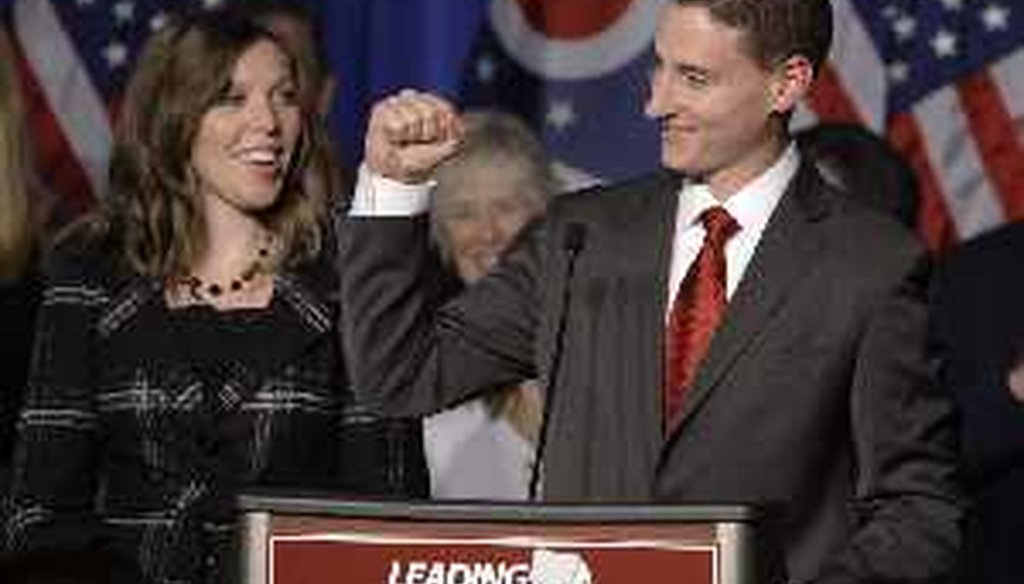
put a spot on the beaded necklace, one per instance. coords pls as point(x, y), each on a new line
point(202, 290)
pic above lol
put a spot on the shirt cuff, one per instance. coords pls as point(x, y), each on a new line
point(378, 196)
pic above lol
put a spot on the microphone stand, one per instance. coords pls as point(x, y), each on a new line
point(572, 243)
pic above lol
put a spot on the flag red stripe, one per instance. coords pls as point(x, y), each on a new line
point(830, 100)
point(51, 149)
point(995, 135)
point(933, 220)
point(832, 103)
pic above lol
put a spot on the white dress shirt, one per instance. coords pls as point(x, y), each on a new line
point(751, 206)
point(378, 196)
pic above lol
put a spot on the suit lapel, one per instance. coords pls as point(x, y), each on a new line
point(788, 250)
point(638, 245)
point(659, 234)
point(656, 232)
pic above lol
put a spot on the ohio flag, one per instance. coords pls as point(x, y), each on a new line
point(943, 79)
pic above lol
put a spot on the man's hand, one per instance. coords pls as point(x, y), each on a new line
point(410, 133)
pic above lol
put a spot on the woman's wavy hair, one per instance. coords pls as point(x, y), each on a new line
point(152, 213)
point(492, 137)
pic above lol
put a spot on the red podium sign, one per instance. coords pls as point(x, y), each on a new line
point(307, 541)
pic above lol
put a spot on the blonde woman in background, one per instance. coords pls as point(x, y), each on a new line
point(496, 184)
point(20, 229)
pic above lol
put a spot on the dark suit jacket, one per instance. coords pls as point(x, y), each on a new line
point(816, 394)
point(979, 321)
point(142, 424)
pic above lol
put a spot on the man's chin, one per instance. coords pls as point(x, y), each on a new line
point(680, 165)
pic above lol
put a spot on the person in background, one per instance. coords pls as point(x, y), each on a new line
point(858, 161)
point(186, 345)
point(979, 322)
point(297, 26)
point(498, 182)
point(21, 222)
point(732, 328)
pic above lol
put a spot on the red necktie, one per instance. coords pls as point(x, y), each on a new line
point(698, 307)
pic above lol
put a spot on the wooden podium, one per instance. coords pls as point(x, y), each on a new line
point(307, 540)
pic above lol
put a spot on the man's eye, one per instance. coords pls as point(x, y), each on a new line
point(694, 79)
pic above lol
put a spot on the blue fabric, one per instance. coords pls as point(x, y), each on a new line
point(376, 47)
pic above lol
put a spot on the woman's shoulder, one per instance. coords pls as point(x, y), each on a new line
point(317, 271)
point(82, 252)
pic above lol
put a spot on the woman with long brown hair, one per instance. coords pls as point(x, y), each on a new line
point(187, 345)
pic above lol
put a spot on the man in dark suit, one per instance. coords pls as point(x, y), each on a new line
point(734, 328)
point(979, 322)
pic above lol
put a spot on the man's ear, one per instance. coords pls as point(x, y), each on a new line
point(790, 83)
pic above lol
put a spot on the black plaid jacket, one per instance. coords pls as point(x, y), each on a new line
point(141, 424)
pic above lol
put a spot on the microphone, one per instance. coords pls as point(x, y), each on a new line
point(573, 240)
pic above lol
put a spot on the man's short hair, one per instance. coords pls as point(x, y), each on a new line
point(776, 29)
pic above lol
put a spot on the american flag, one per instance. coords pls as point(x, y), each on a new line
point(74, 57)
point(943, 79)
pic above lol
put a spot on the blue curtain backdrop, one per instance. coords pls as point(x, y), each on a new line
point(379, 46)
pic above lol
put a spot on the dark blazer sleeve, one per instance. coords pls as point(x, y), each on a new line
point(54, 463)
point(19, 300)
point(382, 457)
point(409, 355)
point(373, 455)
point(908, 499)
